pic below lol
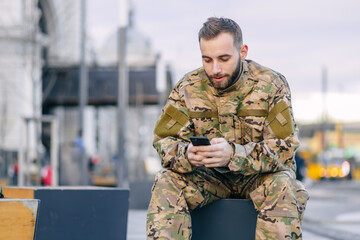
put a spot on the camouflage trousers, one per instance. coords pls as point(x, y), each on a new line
point(278, 198)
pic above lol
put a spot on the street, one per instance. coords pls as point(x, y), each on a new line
point(333, 213)
point(333, 210)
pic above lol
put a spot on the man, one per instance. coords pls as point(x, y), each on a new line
point(245, 110)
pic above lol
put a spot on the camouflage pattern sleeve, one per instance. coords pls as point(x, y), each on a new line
point(172, 133)
point(275, 152)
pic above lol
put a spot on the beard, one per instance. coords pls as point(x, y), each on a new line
point(229, 79)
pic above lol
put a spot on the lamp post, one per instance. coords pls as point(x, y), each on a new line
point(83, 92)
point(122, 98)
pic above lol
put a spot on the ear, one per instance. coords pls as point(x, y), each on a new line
point(243, 51)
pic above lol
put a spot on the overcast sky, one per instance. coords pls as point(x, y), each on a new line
point(296, 38)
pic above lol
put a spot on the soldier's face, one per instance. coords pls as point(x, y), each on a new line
point(221, 59)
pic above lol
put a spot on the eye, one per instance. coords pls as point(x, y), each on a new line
point(207, 60)
point(225, 59)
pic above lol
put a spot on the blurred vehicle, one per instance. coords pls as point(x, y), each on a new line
point(352, 154)
point(355, 171)
point(315, 171)
point(333, 164)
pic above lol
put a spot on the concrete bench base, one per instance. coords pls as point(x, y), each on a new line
point(74, 213)
point(225, 219)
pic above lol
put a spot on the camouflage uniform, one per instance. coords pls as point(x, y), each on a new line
point(255, 116)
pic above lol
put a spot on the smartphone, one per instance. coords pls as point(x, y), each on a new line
point(198, 141)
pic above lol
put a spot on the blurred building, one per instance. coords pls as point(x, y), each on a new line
point(39, 74)
point(21, 47)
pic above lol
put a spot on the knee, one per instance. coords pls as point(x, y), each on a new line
point(280, 195)
point(167, 194)
point(279, 228)
point(165, 177)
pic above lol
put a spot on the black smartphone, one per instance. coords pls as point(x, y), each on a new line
point(198, 141)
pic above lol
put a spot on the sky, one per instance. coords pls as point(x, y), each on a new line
point(296, 38)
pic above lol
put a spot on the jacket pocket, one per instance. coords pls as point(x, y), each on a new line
point(249, 124)
point(206, 123)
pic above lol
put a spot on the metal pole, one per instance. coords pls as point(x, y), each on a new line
point(21, 160)
point(122, 98)
point(139, 172)
point(325, 114)
point(83, 87)
point(27, 165)
point(54, 153)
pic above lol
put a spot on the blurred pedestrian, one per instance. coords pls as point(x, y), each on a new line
point(46, 175)
point(1, 194)
point(300, 167)
point(79, 142)
point(245, 110)
point(15, 172)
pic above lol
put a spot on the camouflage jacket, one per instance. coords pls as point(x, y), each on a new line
point(254, 114)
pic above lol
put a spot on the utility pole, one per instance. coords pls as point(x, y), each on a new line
point(83, 92)
point(139, 171)
point(324, 85)
point(31, 20)
point(122, 98)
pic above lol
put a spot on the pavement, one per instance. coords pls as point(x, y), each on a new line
point(137, 227)
point(333, 210)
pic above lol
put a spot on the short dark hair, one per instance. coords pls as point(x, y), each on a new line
point(214, 26)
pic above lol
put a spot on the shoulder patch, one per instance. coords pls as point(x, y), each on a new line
point(279, 120)
point(171, 122)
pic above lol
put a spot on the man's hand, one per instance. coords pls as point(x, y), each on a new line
point(218, 154)
point(193, 156)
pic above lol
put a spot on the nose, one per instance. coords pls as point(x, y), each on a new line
point(216, 68)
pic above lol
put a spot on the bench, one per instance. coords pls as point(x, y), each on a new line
point(18, 218)
point(225, 219)
point(74, 213)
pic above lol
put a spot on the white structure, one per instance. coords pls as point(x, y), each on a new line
point(38, 33)
point(20, 69)
point(32, 33)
